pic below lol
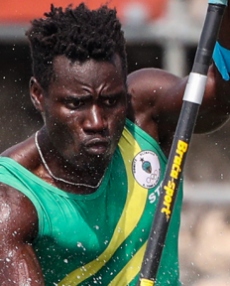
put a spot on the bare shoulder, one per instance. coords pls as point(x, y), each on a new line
point(151, 81)
point(154, 87)
point(18, 216)
point(18, 213)
point(154, 95)
point(24, 153)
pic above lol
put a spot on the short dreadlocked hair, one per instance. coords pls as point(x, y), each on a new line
point(79, 34)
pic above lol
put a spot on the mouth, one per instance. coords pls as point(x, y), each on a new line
point(97, 146)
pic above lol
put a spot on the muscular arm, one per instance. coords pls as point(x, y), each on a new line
point(156, 98)
point(18, 225)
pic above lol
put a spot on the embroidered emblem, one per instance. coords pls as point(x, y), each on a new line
point(146, 169)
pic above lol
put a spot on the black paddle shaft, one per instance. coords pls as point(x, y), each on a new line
point(185, 126)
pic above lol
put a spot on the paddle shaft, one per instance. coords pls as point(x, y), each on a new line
point(191, 102)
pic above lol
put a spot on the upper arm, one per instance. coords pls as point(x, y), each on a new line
point(156, 98)
point(18, 228)
point(159, 95)
point(156, 88)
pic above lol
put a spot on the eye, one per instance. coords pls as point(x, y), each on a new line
point(110, 101)
point(74, 103)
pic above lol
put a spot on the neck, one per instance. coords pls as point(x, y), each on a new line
point(70, 176)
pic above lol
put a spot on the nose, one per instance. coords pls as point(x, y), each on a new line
point(95, 120)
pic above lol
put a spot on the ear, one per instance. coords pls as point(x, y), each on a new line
point(36, 94)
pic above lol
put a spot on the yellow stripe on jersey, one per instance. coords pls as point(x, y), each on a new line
point(131, 269)
point(135, 203)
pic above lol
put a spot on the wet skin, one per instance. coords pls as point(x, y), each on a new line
point(83, 122)
point(84, 111)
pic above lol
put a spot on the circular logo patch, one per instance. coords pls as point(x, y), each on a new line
point(146, 169)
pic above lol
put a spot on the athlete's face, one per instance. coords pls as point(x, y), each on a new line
point(84, 109)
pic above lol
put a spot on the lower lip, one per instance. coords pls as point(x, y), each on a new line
point(97, 149)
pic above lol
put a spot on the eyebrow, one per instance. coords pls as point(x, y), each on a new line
point(79, 96)
point(119, 93)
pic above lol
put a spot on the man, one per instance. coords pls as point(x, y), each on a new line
point(79, 196)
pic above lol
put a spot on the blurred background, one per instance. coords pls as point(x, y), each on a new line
point(159, 33)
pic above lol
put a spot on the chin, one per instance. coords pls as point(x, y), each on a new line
point(99, 161)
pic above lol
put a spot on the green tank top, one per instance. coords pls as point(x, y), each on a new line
point(100, 238)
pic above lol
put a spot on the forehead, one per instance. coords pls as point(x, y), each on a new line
point(91, 71)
